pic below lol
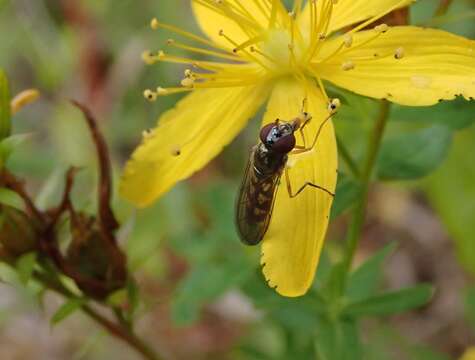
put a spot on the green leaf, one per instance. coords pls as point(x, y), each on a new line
point(363, 282)
point(203, 284)
point(9, 144)
point(414, 155)
point(347, 192)
point(470, 306)
point(133, 295)
point(68, 308)
point(338, 340)
point(5, 113)
point(456, 114)
point(391, 302)
point(10, 198)
point(25, 265)
point(451, 190)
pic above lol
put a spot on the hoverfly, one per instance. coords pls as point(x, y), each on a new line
point(267, 162)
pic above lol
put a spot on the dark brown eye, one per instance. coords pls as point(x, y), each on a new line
point(265, 131)
point(278, 138)
point(284, 144)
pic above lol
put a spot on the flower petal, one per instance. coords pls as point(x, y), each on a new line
point(292, 245)
point(435, 65)
point(212, 22)
point(350, 12)
point(198, 128)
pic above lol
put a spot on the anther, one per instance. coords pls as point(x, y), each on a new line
point(170, 42)
point(148, 57)
point(348, 65)
point(334, 2)
point(381, 28)
point(188, 82)
point(146, 134)
point(154, 24)
point(175, 151)
point(348, 40)
point(399, 54)
point(322, 36)
point(150, 95)
point(334, 105)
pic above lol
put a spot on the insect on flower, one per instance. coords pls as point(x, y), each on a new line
point(267, 162)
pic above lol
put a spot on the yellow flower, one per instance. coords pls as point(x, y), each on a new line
point(265, 53)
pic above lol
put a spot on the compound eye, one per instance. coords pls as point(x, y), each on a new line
point(284, 144)
point(266, 131)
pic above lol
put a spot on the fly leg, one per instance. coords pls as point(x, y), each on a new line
point(289, 186)
point(303, 149)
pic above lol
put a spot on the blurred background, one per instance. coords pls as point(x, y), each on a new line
point(203, 296)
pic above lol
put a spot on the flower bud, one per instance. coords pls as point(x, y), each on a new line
point(18, 234)
point(98, 265)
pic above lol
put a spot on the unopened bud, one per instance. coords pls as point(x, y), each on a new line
point(98, 261)
point(18, 233)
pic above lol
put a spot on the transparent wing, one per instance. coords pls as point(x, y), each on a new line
point(254, 204)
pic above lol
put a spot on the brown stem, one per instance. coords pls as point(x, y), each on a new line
point(116, 330)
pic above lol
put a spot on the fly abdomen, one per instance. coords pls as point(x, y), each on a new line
point(255, 203)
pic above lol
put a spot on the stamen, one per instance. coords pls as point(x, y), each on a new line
point(236, 45)
point(382, 28)
point(150, 95)
point(399, 54)
point(322, 88)
point(171, 42)
point(377, 17)
point(334, 105)
point(348, 40)
point(155, 24)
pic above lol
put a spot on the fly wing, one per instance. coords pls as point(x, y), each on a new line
point(254, 204)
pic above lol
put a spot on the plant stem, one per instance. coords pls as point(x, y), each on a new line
point(121, 332)
point(443, 7)
point(356, 226)
point(347, 158)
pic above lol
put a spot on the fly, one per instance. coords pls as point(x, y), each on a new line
point(267, 162)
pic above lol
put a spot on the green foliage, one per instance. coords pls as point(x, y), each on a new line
point(347, 192)
point(451, 191)
point(68, 308)
point(25, 266)
point(5, 121)
point(413, 155)
point(457, 114)
point(9, 144)
point(364, 281)
point(391, 302)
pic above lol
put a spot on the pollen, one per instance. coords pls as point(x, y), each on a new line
point(175, 151)
point(399, 53)
point(348, 65)
point(188, 82)
point(150, 95)
point(334, 105)
point(382, 28)
point(154, 24)
point(348, 40)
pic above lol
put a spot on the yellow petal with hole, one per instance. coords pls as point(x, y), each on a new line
point(434, 65)
point(238, 28)
point(292, 245)
point(187, 138)
point(350, 12)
